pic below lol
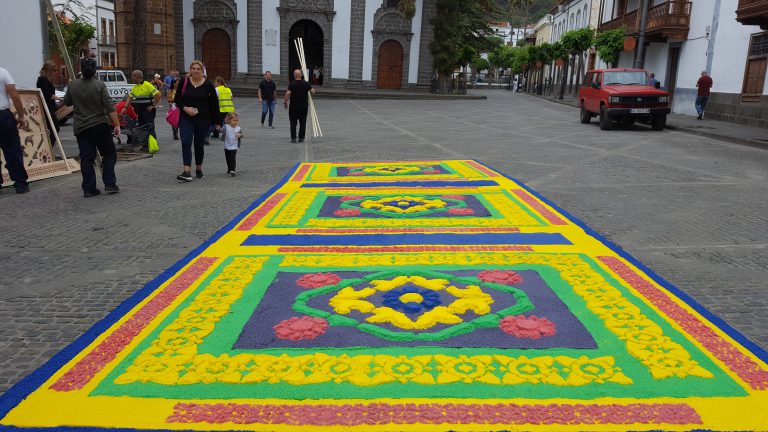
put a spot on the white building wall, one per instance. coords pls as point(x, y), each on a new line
point(270, 23)
point(23, 24)
point(189, 33)
point(693, 57)
point(656, 61)
point(242, 36)
point(730, 52)
point(370, 11)
point(341, 30)
point(413, 68)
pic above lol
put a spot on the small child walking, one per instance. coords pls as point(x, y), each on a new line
point(231, 134)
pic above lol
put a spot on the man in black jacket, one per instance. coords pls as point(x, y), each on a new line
point(298, 94)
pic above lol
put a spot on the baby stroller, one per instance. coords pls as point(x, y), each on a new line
point(136, 136)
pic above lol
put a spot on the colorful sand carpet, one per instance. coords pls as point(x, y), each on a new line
point(434, 295)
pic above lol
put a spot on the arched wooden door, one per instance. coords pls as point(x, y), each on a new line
point(390, 70)
point(217, 54)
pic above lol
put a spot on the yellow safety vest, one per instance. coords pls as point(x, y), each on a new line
point(225, 99)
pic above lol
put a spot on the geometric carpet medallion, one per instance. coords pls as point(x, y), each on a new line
point(436, 295)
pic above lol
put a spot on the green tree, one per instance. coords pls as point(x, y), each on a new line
point(480, 64)
point(76, 33)
point(459, 23)
point(407, 8)
point(519, 60)
point(609, 44)
point(575, 42)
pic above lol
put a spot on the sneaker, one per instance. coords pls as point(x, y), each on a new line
point(199, 174)
point(185, 177)
point(293, 140)
point(301, 140)
point(22, 190)
point(231, 173)
point(112, 189)
point(699, 117)
point(92, 193)
point(271, 127)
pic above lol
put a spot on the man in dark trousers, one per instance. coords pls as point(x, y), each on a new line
point(298, 94)
point(702, 94)
point(10, 142)
point(267, 98)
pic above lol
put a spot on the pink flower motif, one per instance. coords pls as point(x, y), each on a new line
point(346, 212)
point(355, 173)
point(317, 280)
point(531, 327)
point(505, 277)
point(454, 197)
point(301, 328)
point(351, 197)
point(433, 171)
point(461, 211)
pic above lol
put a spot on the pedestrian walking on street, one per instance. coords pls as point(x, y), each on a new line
point(45, 84)
point(298, 95)
point(226, 104)
point(231, 135)
point(267, 98)
point(702, 94)
point(199, 107)
point(144, 98)
point(10, 142)
point(158, 83)
point(92, 117)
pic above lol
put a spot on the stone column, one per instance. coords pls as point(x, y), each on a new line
point(178, 9)
point(255, 34)
point(425, 57)
point(356, 36)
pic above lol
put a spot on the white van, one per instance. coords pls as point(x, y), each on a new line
point(116, 82)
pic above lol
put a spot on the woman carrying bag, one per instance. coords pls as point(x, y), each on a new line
point(199, 109)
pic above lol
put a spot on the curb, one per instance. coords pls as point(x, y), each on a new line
point(683, 129)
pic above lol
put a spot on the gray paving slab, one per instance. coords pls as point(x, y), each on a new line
point(690, 207)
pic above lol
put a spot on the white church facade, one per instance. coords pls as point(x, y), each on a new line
point(354, 42)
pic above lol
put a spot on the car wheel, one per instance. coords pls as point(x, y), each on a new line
point(586, 116)
point(658, 122)
point(605, 122)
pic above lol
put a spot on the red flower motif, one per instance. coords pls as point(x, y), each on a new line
point(531, 327)
point(301, 328)
point(355, 173)
point(351, 197)
point(317, 280)
point(432, 171)
point(346, 212)
point(505, 277)
point(454, 197)
point(461, 211)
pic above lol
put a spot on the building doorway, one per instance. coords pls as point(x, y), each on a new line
point(673, 61)
point(390, 69)
point(217, 54)
point(314, 46)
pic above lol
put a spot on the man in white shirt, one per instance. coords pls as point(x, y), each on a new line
point(10, 142)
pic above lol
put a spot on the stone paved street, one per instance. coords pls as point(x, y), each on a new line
point(691, 208)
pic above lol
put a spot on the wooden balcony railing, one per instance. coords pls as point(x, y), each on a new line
point(753, 12)
point(670, 19)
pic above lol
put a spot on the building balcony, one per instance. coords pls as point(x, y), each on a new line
point(753, 12)
point(669, 20)
point(106, 40)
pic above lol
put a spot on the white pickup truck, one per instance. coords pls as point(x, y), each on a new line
point(117, 85)
point(116, 82)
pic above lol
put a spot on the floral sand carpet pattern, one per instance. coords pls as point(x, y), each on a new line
point(435, 295)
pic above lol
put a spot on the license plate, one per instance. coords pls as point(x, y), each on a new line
point(640, 111)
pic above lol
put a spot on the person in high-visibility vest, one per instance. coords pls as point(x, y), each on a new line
point(226, 104)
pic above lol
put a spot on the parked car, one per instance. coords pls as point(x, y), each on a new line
point(117, 85)
point(623, 95)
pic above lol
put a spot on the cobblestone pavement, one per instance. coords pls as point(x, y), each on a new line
point(693, 209)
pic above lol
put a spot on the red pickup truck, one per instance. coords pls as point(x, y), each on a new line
point(623, 95)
